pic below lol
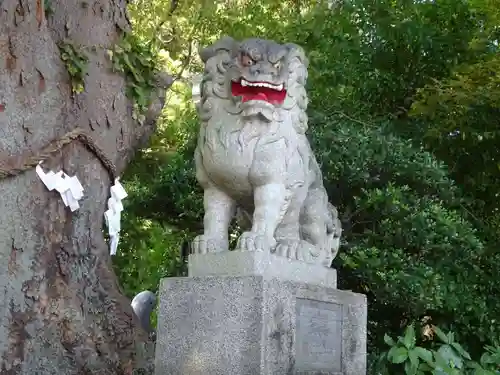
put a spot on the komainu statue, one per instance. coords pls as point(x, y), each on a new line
point(253, 159)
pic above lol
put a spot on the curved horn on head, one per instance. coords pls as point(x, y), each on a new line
point(224, 44)
point(297, 51)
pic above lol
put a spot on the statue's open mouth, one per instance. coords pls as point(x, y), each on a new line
point(269, 92)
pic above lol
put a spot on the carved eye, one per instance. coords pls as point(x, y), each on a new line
point(277, 65)
point(246, 60)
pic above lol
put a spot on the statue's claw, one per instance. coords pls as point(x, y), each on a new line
point(205, 244)
point(289, 249)
point(298, 250)
point(251, 241)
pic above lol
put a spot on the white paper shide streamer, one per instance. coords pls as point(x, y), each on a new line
point(71, 191)
point(70, 188)
point(113, 214)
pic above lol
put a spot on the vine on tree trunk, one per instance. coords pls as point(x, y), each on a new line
point(138, 63)
point(76, 64)
point(48, 8)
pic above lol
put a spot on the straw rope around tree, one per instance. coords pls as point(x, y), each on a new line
point(11, 168)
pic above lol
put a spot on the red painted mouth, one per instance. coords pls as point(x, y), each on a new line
point(274, 94)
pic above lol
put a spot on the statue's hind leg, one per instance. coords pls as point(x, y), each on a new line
point(289, 242)
point(314, 217)
point(287, 235)
point(320, 226)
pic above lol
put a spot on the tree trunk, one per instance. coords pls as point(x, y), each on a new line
point(62, 311)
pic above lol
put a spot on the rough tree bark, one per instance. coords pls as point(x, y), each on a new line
point(62, 311)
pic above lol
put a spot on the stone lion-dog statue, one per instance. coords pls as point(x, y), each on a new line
point(253, 159)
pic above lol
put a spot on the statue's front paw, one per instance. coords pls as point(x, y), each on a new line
point(251, 241)
point(289, 249)
point(205, 244)
point(297, 250)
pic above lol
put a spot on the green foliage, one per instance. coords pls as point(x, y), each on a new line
point(406, 242)
point(148, 252)
point(75, 61)
point(173, 190)
point(47, 5)
point(137, 61)
point(445, 357)
point(380, 52)
point(201, 22)
point(162, 179)
point(472, 95)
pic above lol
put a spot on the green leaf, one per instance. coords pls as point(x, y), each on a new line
point(410, 368)
point(413, 356)
point(125, 45)
point(397, 354)
point(450, 356)
point(413, 364)
point(80, 63)
point(451, 337)
point(73, 70)
point(144, 60)
point(441, 335)
point(423, 354)
point(482, 371)
point(139, 78)
point(461, 350)
point(389, 340)
point(424, 367)
point(409, 337)
point(127, 62)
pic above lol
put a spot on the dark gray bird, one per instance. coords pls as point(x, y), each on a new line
point(143, 305)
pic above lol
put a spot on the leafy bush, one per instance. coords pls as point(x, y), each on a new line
point(148, 252)
point(444, 357)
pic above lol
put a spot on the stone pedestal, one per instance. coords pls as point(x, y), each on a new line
point(243, 313)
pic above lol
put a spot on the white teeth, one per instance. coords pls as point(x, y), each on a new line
point(262, 84)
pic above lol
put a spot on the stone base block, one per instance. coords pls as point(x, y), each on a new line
point(258, 325)
point(260, 263)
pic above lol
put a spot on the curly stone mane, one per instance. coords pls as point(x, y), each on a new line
point(215, 86)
